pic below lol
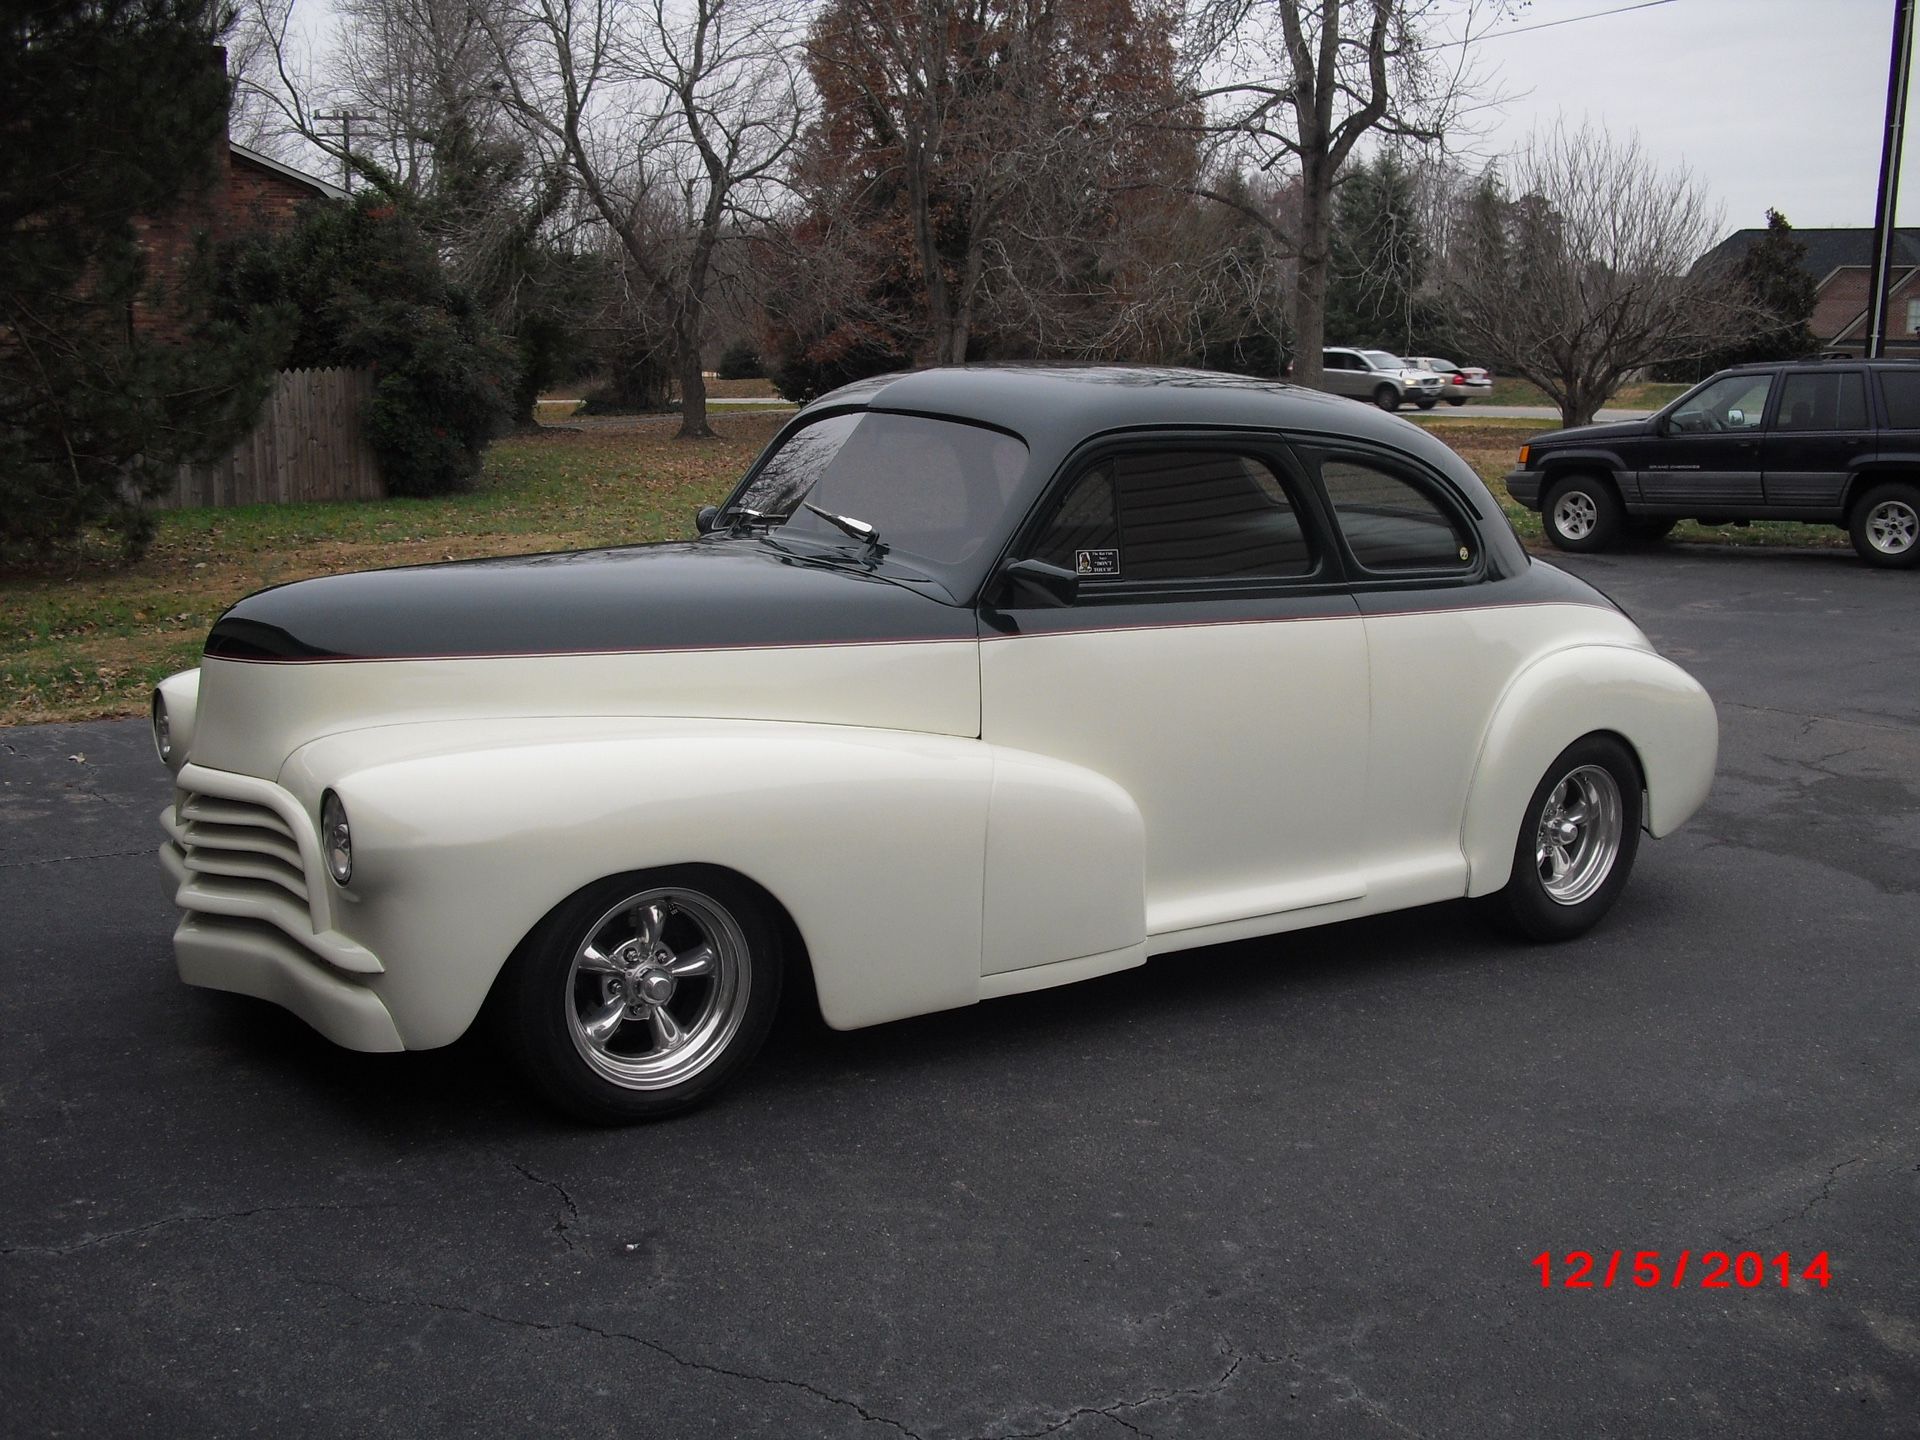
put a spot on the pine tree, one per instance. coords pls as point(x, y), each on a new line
point(1774, 276)
point(1380, 258)
point(114, 109)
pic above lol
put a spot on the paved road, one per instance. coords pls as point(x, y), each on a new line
point(1281, 1186)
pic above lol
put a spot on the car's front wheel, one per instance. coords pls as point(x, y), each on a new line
point(1386, 397)
point(1886, 526)
point(1581, 514)
point(1426, 404)
point(643, 994)
point(1456, 399)
point(1577, 841)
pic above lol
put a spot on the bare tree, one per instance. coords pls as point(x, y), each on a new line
point(1573, 265)
point(1299, 84)
point(675, 118)
point(976, 141)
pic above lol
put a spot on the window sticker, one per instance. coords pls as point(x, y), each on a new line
point(1097, 562)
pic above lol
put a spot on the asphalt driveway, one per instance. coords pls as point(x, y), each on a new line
point(1287, 1186)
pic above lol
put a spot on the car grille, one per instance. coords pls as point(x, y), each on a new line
point(241, 862)
point(238, 844)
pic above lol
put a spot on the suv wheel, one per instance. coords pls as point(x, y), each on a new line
point(1581, 513)
point(1886, 526)
point(1386, 397)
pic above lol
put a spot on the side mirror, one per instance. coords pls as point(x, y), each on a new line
point(1736, 416)
point(704, 517)
point(1034, 582)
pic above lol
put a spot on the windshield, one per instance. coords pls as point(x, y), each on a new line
point(1381, 360)
point(933, 488)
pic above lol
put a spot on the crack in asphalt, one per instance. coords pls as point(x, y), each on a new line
point(560, 1226)
point(1109, 1410)
point(63, 859)
point(653, 1346)
point(1826, 1189)
point(204, 1218)
point(1895, 724)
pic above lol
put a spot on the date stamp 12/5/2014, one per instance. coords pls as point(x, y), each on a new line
point(1650, 1270)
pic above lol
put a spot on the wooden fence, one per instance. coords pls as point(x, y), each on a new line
point(308, 445)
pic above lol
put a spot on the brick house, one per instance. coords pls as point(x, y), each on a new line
point(1840, 262)
point(251, 191)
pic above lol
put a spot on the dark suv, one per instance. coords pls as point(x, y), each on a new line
point(1828, 441)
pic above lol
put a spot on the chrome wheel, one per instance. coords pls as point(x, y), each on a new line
point(1578, 835)
point(1893, 527)
point(658, 988)
point(1575, 515)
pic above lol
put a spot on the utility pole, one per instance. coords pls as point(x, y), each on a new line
point(345, 120)
point(1883, 215)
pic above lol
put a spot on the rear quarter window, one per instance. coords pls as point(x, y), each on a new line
point(1900, 390)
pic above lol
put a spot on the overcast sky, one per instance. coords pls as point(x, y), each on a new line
point(1776, 103)
point(1769, 102)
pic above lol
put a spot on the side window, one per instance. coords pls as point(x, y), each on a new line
point(1391, 526)
point(1822, 400)
point(1900, 389)
point(1735, 403)
point(1085, 528)
point(1176, 515)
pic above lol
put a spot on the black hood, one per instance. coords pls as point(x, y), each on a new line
point(704, 594)
point(1593, 434)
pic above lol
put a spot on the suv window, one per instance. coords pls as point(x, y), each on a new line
point(1389, 524)
point(1735, 403)
point(1336, 360)
point(1822, 400)
point(1176, 515)
point(1900, 390)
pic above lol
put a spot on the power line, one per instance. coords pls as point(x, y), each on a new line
point(1549, 24)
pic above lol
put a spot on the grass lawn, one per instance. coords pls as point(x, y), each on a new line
point(1648, 396)
point(91, 639)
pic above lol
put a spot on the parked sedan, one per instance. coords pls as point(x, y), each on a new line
point(980, 681)
point(1463, 382)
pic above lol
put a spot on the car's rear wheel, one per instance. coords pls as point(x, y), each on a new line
point(1386, 397)
point(1577, 842)
point(644, 993)
point(1581, 514)
point(1886, 526)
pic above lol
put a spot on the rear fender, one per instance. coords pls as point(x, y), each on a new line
point(1647, 700)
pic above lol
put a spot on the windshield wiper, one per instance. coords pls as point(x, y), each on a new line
point(741, 516)
point(847, 525)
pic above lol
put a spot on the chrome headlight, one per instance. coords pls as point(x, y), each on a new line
point(162, 729)
point(336, 838)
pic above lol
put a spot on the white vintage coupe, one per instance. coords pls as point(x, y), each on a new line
point(982, 680)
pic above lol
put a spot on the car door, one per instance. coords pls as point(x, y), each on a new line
point(1708, 453)
point(1212, 666)
point(1436, 660)
point(1343, 373)
point(1820, 431)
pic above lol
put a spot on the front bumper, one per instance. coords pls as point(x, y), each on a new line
point(1524, 486)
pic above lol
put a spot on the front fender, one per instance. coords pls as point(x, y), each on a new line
point(1646, 699)
point(466, 833)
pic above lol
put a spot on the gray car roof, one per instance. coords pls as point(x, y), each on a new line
point(1055, 408)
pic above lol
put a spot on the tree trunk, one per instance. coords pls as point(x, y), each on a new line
point(693, 386)
point(1310, 285)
